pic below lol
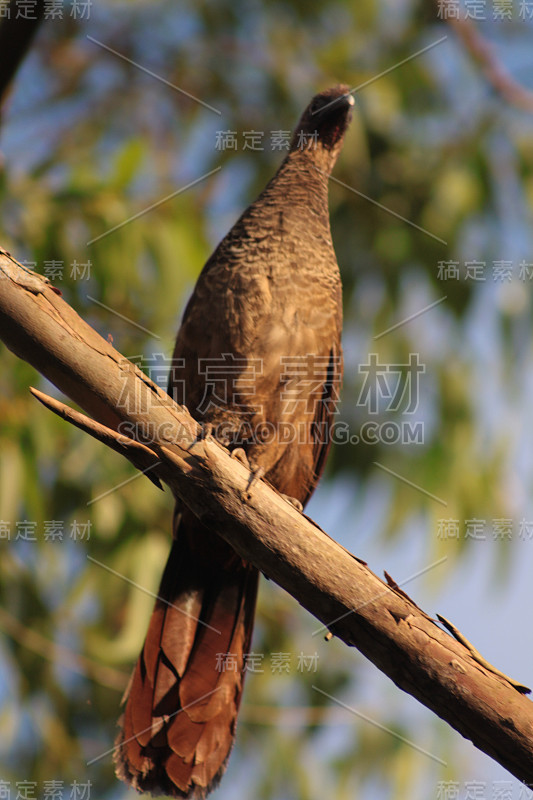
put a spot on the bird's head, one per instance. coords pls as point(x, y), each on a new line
point(320, 131)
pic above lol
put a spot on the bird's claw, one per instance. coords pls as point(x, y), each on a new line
point(240, 455)
point(256, 473)
point(206, 429)
point(294, 502)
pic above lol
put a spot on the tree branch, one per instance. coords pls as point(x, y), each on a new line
point(63, 656)
point(484, 56)
point(336, 587)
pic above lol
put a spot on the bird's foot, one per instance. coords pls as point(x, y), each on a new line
point(206, 429)
point(240, 455)
point(294, 502)
point(256, 473)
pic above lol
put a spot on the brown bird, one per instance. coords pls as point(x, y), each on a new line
point(258, 360)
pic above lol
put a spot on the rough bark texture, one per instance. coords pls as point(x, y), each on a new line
point(342, 592)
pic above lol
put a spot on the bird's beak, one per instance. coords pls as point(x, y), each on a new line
point(344, 102)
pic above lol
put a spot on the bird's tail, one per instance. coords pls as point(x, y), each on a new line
point(180, 708)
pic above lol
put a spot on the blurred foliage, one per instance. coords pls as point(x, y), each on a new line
point(89, 141)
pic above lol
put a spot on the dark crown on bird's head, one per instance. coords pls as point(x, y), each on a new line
point(324, 121)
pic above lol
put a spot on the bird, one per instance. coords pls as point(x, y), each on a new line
point(258, 362)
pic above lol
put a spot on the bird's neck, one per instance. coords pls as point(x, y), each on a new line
point(301, 180)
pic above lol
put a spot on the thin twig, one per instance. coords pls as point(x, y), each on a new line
point(484, 56)
point(37, 643)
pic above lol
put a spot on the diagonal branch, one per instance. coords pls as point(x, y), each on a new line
point(56, 653)
point(444, 674)
point(482, 53)
point(139, 454)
